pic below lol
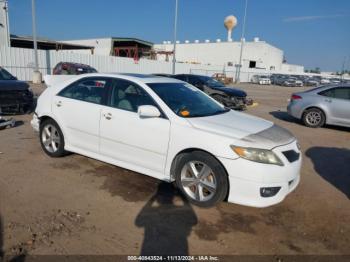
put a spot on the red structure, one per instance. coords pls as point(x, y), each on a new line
point(129, 51)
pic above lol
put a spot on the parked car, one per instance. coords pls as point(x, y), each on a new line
point(230, 97)
point(292, 82)
point(170, 130)
point(312, 81)
point(261, 80)
point(278, 79)
point(335, 80)
point(15, 96)
point(322, 105)
point(65, 68)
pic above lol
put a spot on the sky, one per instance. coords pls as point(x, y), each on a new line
point(313, 33)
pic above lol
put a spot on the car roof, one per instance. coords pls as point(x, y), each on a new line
point(326, 87)
point(145, 78)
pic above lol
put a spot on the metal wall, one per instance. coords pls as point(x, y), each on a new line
point(20, 62)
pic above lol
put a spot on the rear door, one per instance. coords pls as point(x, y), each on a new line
point(77, 109)
point(338, 102)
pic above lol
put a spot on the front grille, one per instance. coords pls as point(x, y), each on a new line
point(15, 96)
point(239, 100)
point(291, 155)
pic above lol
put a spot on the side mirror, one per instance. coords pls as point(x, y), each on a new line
point(148, 111)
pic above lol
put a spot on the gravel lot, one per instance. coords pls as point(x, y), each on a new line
point(77, 205)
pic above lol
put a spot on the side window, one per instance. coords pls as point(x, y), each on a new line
point(340, 93)
point(128, 96)
point(90, 90)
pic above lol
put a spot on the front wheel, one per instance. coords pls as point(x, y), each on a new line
point(51, 138)
point(201, 178)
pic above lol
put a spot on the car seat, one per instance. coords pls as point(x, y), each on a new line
point(123, 103)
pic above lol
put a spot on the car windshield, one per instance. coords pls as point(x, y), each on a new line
point(211, 82)
point(4, 75)
point(186, 100)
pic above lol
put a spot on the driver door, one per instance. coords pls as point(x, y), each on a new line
point(134, 142)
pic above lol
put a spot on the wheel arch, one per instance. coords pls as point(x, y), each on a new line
point(46, 117)
point(190, 150)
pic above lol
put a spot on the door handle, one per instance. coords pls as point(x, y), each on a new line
point(328, 100)
point(59, 103)
point(108, 116)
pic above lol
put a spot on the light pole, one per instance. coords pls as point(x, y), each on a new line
point(36, 74)
point(238, 71)
point(175, 37)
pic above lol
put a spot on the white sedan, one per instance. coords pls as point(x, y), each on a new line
point(170, 130)
point(261, 80)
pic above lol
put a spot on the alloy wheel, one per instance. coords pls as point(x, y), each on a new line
point(50, 138)
point(198, 181)
point(313, 118)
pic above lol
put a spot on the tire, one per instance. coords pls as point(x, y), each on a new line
point(314, 118)
point(207, 191)
point(51, 138)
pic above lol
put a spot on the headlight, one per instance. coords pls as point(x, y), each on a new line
point(258, 155)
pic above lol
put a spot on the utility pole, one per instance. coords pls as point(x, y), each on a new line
point(175, 37)
point(37, 78)
point(4, 24)
point(238, 69)
point(343, 68)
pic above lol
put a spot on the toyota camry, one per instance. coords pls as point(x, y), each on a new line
point(170, 130)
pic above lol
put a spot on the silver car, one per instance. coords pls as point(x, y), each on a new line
point(322, 105)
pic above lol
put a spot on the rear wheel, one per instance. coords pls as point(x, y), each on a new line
point(51, 138)
point(201, 178)
point(314, 117)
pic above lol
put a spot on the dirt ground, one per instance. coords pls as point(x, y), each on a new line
point(77, 205)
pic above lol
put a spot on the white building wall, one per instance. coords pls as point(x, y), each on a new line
point(265, 55)
point(292, 68)
point(103, 46)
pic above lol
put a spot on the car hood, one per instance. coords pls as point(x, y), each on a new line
point(230, 91)
point(246, 130)
point(9, 85)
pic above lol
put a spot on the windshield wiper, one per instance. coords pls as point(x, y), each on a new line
point(211, 113)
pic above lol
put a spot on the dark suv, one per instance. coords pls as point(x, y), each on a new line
point(230, 97)
point(66, 68)
point(15, 95)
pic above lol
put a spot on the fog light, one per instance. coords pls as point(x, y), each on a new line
point(269, 191)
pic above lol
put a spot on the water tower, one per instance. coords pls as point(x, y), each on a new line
point(230, 22)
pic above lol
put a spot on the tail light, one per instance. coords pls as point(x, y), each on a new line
point(296, 97)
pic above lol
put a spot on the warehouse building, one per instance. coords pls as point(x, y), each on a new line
point(256, 54)
point(118, 46)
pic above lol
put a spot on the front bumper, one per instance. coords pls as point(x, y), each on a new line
point(35, 123)
point(247, 178)
point(264, 82)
